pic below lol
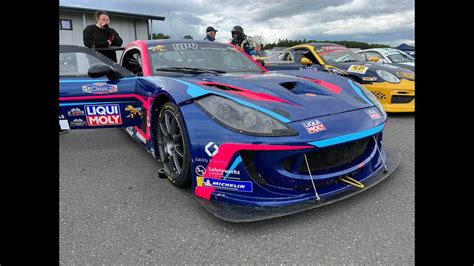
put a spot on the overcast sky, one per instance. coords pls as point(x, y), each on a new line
point(389, 22)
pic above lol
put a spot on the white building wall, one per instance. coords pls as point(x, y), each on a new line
point(124, 26)
point(73, 36)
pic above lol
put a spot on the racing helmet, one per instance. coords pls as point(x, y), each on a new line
point(237, 29)
point(237, 34)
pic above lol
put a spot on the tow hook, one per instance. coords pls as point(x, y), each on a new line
point(161, 173)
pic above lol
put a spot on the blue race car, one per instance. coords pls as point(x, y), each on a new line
point(252, 144)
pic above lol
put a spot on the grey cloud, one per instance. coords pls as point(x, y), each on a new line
point(285, 18)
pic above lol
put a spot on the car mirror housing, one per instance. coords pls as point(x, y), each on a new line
point(305, 61)
point(374, 59)
point(100, 69)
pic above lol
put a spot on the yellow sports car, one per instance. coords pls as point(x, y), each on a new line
point(393, 86)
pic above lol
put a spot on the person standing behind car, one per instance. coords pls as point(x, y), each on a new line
point(100, 35)
point(210, 34)
point(240, 39)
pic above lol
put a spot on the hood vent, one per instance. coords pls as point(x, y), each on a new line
point(221, 87)
point(306, 88)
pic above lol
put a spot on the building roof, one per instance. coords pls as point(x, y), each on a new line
point(111, 12)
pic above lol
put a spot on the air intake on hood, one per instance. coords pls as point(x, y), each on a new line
point(222, 87)
point(298, 87)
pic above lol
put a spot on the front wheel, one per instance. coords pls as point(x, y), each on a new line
point(172, 139)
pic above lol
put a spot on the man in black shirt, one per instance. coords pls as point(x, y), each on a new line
point(101, 35)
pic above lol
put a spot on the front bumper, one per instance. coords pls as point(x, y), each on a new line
point(239, 213)
point(395, 97)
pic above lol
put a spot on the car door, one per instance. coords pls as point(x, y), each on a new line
point(101, 102)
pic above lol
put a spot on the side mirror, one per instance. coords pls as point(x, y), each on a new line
point(305, 61)
point(374, 59)
point(100, 69)
point(261, 61)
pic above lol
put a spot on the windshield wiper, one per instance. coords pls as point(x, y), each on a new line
point(191, 70)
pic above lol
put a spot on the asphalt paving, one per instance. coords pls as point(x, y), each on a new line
point(115, 210)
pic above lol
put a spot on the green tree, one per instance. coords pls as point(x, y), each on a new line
point(188, 37)
point(159, 36)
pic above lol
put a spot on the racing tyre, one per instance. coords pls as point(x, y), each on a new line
point(173, 145)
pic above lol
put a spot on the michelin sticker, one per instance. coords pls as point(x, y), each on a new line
point(357, 69)
point(244, 186)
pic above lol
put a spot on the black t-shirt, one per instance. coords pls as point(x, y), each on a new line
point(95, 37)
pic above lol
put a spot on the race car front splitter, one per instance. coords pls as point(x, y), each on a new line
point(239, 213)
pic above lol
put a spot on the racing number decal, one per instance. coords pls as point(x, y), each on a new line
point(357, 69)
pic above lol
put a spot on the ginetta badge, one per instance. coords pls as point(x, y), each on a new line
point(214, 147)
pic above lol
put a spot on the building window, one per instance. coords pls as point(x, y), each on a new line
point(65, 24)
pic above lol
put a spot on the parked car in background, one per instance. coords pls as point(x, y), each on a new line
point(392, 85)
point(389, 55)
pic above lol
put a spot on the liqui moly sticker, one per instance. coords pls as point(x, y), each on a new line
point(373, 114)
point(313, 126)
point(103, 115)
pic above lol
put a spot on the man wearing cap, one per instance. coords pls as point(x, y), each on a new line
point(210, 34)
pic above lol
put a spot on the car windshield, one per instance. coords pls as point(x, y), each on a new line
point(199, 57)
point(337, 54)
point(400, 58)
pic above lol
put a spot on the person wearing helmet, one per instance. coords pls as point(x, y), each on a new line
point(240, 39)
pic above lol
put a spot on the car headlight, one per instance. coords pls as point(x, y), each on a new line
point(242, 119)
point(387, 76)
point(372, 98)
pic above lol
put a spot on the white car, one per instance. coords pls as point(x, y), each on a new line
point(389, 55)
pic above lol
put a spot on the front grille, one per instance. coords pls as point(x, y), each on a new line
point(379, 95)
point(402, 99)
point(326, 159)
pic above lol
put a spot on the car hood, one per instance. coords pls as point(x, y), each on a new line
point(295, 98)
point(399, 72)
